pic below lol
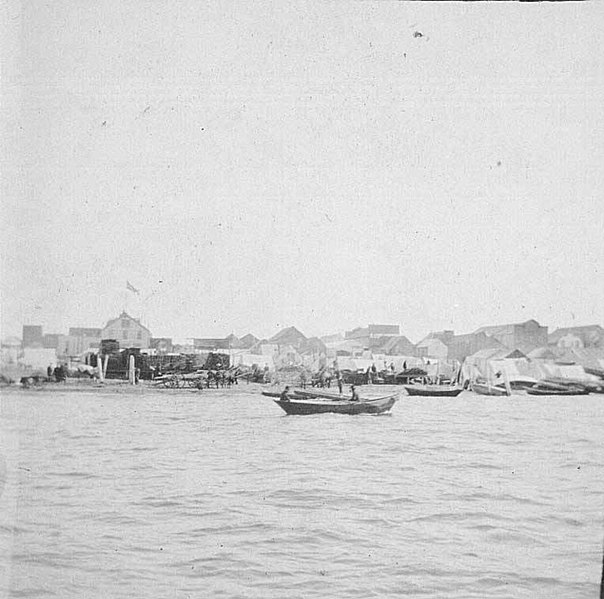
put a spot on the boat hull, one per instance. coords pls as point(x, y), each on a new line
point(369, 406)
point(433, 390)
point(554, 391)
point(483, 389)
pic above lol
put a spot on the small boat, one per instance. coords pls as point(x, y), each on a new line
point(377, 405)
point(550, 390)
point(488, 389)
point(433, 390)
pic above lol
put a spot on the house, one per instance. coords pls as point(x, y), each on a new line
point(289, 336)
point(523, 335)
point(248, 341)
point(459, 347)
point(462, 346)
point(583, 336)
point(212, 344)
point(432, 347)
point(373, 331)
point(395, 345)
point(128, 331)
point(313, 347)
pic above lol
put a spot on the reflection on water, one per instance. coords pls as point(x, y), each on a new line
point(219, 494)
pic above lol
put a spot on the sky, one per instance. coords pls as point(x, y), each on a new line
point(250, 166)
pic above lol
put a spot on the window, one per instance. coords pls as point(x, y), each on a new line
point(139, 335)
point(125, 323)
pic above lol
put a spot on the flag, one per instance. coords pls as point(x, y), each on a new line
point(130, 287)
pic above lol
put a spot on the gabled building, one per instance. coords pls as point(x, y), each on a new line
point(589, 336)
point(458, 347)
point(525, 336)
point(373, 331)
point(313, 347)
point(128, 331)
point(395, 345)
point(289, 336)
point(249, 340)
point(432, 347)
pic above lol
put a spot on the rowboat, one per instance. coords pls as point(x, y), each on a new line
point(538, 390)
point(433, 390)
point(378, 405)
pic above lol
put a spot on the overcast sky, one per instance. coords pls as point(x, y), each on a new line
point(322, 164)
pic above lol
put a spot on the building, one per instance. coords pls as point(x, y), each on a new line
point(249, 341)
point(289, 336)
point(459, 347)
point(162, 345)
point(373, 331)
point(432, 347)
point(590, 336)
point(525, 336)
point(32, 335)
point(81, 339)
point(128, 331)
point(213, 344)
point(395, 345)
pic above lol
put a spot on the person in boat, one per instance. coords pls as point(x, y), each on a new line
point(285, 394)
point(340, 381)
point(354, 394)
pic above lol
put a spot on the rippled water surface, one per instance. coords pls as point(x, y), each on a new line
point(219, 494)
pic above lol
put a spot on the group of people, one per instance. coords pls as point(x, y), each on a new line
point(58, 373)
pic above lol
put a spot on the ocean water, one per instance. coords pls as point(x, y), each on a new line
point(178, 494)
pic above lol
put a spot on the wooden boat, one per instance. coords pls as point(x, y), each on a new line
point(377, 405)
point(488, 389)
point(433, 390)
point(550, 390)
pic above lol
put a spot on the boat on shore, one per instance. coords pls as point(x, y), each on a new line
point(549, 390)
point(377, 405)
point(433, 390)
point(488, 389)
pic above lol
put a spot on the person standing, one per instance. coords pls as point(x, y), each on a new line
point(340, 382)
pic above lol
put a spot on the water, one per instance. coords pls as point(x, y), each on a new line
point(219, 494)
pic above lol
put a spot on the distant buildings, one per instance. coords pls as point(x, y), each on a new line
point(445, 345)
point(373, 331)
point(290, 347)
point(525, 336)
point(590, 336)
